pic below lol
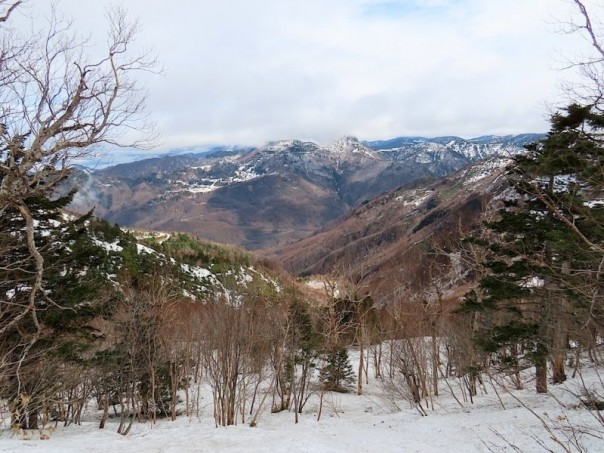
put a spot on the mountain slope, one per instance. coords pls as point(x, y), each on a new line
point(397, 243)
point(196, 270)
point(275, 194)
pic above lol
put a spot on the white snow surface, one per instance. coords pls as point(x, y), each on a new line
point(315, 284)
point(484, 170)
point(415, 197)
point(533, 282)
point(198, 272)
point(594, 203)
point(424, 158)
point(372, 422)
point(350, 145)
point(144, 249)
point(202, 189)
point(110, 247)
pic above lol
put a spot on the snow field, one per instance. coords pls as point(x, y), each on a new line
point(373, 422)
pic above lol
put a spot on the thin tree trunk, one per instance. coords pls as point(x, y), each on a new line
point(105, 411)
point(361, 364)
point(435, 362)
point(541, 374)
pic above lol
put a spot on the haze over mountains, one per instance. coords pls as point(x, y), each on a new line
point(275, 194)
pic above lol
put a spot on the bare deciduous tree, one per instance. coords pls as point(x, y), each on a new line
point(56, 105)
point(585, 24)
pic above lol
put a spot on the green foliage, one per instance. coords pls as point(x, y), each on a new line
point(305, 339)
point(337, 372)
point(194, 252)
point(508, 334)
point(544, 252)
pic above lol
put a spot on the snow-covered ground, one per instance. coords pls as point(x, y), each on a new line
point(497, 421)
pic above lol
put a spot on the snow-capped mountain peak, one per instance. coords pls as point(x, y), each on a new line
point(350, 145)
point(246, 197)
point(287, 146)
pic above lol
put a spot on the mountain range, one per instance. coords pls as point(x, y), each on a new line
point(275, 194)
point(405, 243)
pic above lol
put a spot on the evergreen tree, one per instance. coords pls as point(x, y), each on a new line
point(62, 103)
point(545, 251)
point(303, 352)
point(337, 372)
point(37, 318)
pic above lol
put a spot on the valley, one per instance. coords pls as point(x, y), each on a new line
point(392, 243)
point(276, 194)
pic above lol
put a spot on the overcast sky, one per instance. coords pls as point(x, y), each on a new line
point(249, 71)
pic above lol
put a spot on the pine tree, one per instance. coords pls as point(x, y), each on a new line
point(337, 372)
point(38, 317)
point(545, 257)
point(303, 351)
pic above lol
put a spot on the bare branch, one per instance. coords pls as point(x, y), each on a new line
point(589, 28)
point(4, 17)
point(591, 64)
point(56, 105)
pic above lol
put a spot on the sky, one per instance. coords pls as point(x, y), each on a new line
point(244, 72)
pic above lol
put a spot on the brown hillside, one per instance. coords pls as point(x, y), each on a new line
point(397, 243)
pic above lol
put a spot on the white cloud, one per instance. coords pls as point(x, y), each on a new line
point(248, 71)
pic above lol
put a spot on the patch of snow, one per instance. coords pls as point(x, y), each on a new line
point(110, 247)
point(562, 183)
point(68, 217)
point(11, 293)
point(245, 174)
point(315, 284)
point(197, 272)
point(188, 294)
point(144, 249)
point(414, 197)
point(350, 145)
point(484, 170)
point(423, 158)
point(533, 282)
point(230, 159)
point(201, 189)
point(594, 203)
point(159, 236)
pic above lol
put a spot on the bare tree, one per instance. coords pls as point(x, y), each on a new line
point(237, 344)
point(590, 63)
point(56, 105)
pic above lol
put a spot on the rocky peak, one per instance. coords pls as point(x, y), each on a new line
point(283, 146)
point(350, 145)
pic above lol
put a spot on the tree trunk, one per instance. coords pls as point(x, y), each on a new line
point(541, 374)
point(361, 363)
point(23, 415)
point(435, 362)
point(105, 411)
point(559, 373)
point(377, 360)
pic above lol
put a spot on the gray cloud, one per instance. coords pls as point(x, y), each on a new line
point(248, 71)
